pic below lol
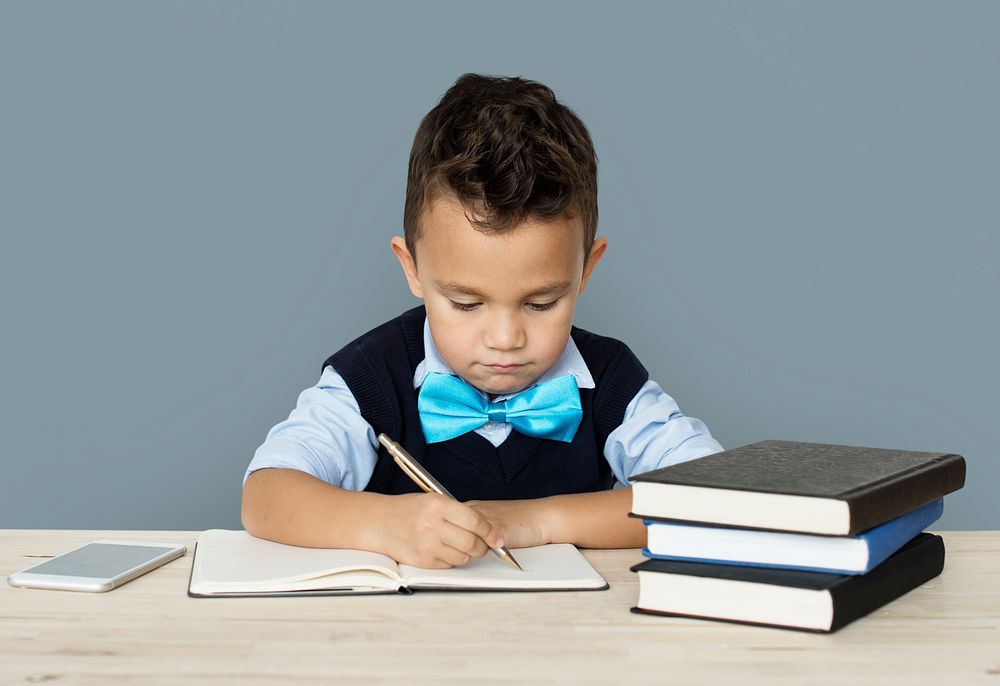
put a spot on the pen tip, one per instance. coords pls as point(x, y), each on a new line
point(510, 558)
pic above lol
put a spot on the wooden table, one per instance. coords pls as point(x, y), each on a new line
point(150, 632)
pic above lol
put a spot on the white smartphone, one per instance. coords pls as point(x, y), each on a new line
point(97, 566)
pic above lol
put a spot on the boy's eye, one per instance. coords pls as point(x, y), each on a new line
point(541, 307)
point(537, 307)
point(464, 307)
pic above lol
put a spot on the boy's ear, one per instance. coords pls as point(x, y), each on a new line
point(596, 253)
point(409, 265)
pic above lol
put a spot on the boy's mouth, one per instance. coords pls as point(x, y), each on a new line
point(504, 368)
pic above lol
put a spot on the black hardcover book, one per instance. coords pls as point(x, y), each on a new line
point(835, 490)
point(785, 598)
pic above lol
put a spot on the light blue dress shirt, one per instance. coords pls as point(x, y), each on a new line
point(326, 436)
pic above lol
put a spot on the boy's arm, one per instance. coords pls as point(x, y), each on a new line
point(593, 520)
point(587, 520)
point(290, 506)
point(422, 529)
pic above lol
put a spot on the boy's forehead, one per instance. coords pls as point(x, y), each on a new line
point(535, 255)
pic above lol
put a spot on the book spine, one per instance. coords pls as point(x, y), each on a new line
point(889, 499)
point(885, 539)
point(857, 596)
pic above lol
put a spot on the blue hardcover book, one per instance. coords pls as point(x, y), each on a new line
point(838, 554)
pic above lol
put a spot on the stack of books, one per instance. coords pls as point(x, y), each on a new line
point(796, 535)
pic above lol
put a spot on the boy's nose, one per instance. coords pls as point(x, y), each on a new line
point(506, 333)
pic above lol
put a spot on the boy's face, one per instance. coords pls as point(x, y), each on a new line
point(500, 305)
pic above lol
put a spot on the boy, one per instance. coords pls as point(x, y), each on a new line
point(524, 418)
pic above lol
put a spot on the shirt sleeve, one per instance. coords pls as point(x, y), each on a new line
point(653, 434)
point(325, 436)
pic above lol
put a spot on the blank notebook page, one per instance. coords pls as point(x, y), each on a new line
point(557, 565)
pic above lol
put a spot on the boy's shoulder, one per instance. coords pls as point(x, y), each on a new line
point(591, 342)
point(401, 333)
point(607, 358)
point(618, 376)
point(585, 337)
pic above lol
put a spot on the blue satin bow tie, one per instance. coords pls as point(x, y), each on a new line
point(450, 407)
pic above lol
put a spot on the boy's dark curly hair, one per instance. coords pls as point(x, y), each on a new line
point(509, 151)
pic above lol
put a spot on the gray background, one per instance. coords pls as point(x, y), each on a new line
point(198, 197)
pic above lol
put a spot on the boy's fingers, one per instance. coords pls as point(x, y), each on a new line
point(494, 538)
point(464, 541)
point(436, 563)
point(469, 519)
point(453, 557)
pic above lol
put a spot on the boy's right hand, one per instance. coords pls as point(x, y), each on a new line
point(434, 531)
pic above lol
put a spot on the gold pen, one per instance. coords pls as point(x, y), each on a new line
point(428, 483)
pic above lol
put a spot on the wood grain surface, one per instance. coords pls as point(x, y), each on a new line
point(150, 632)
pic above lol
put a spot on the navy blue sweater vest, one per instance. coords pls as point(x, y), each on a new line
point(379, 366)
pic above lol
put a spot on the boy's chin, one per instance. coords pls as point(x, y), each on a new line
point(492, 387)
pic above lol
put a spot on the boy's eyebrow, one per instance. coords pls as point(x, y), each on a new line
point(466, 290)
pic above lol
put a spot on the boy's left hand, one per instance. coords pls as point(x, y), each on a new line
point(521, 522)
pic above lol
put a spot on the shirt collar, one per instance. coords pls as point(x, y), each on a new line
point(570, 362)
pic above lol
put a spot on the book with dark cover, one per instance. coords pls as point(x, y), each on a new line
point(784, 598)
point(817, 488)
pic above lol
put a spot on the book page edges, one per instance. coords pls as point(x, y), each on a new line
point(344, 579)
point(741, 508)
point(734, 600)
point(760, 547)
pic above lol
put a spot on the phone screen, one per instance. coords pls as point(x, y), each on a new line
point(99, 560)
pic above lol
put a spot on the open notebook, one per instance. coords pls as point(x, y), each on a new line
point(234, 563)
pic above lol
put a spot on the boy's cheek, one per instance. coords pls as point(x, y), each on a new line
point(454, 336)
point(447, 322)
